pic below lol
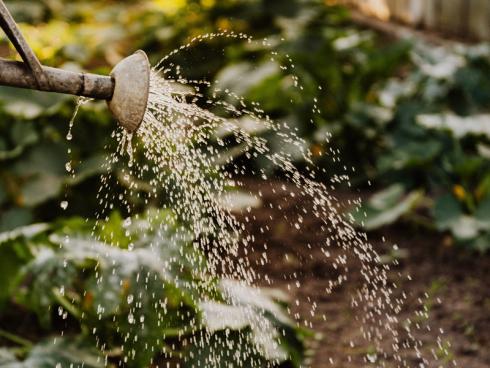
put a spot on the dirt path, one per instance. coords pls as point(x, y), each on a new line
point(452, 284)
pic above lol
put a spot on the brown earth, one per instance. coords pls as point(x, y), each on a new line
point(452, 283)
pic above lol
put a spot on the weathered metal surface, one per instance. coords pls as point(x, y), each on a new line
point(126, 90)
point(131, 90)
point(18, 74)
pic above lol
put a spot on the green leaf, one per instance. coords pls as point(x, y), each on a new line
point(240, 78)
point(482, 214)
point(245, 124)
point(222, 348)
point(40, 188)
point(23, 136)
point(14, 218)
point(46, 273)
point(15, 253)
point(465, 227)
point(267, 320)
point(58, 352)
point(239, 293)
point(11, 262)
point(88, 168)
point(25, 232)
point(43, 170)
point(447, 211)
point(217, 317)
point(459, 126)
point(409, 154)
point(481, 243)
point(386, 207)
point(29, 104)
point(7, 357)
point(238, 201)
point(448, 215)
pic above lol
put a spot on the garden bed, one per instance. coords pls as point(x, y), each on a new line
point(458, 278)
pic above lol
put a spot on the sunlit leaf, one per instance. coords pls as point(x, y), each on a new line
point(237, 201)
point(242, 77)
point(459, 126)
point(386, 207)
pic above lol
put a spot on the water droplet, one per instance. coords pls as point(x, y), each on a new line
point(64, 205)
point(372, 358)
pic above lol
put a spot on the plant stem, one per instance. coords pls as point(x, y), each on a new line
point(422, 221)
point(66, 304)
point(15, 339)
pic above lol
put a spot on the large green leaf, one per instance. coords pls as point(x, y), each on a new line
point(7, 357)
point(15, 253)
point(447, 210)
point(58, 352)
point(242, 77)
point(459, 126)
point(14, 218)
point(386, 207)
point(448, 215)
point(45, 277)
point(225, 349)
point(249, 324)
point(482, 213)
point(23, 136)
point(43, 170)
point(29, 104)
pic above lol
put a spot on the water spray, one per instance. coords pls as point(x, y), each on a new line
point(126, 89)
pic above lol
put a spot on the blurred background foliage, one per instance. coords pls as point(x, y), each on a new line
point(400, 112)
point(411, 118)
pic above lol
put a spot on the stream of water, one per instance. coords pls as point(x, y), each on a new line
point(183, 154)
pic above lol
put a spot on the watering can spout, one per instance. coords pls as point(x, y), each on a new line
point(126, 90)
point(129, 99)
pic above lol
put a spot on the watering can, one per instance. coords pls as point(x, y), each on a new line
point(126, 89)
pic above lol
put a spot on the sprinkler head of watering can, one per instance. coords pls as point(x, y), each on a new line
point(131, 89)
point(127, 89)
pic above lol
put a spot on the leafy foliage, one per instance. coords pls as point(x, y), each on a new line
point(411, 119)
point(142, 298)
point(403, 114)
point(437, 137)
point(386, 207)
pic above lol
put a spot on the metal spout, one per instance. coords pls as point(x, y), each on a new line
point(131, 90)
point(18, 74)
point(126, 89)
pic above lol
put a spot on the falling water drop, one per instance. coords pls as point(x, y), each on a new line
point(372, 358)
point(176, 140)
point(131, 319)
point(80, 101)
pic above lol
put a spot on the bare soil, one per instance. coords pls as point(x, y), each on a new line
point(452, 283)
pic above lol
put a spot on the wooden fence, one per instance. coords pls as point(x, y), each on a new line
point(461, 18)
